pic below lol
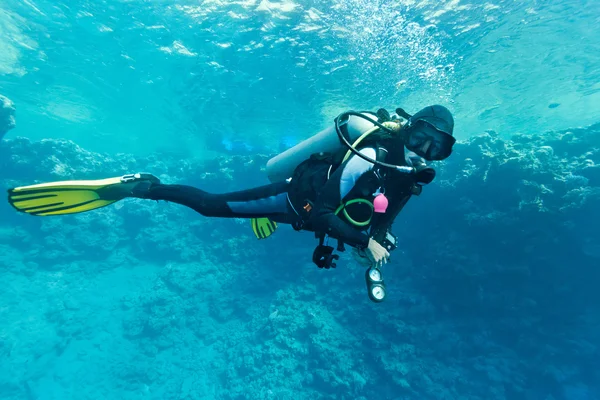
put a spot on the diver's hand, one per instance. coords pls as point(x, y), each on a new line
point(377, 253)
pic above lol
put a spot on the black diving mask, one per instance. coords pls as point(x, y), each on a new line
point(428, 142)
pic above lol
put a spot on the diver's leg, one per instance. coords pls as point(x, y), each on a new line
point(264, 201)
point(70, 197)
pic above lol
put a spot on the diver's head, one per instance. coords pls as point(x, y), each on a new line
point(428, 133)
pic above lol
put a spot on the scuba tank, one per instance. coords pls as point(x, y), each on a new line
point(349, 129)
point(282, 166)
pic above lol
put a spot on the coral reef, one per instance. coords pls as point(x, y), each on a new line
point(492, 292)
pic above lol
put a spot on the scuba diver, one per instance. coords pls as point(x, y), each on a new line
point(348, 182)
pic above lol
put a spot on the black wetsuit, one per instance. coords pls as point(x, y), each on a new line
point(280, 202)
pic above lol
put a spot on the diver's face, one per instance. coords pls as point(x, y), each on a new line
point(428, 142)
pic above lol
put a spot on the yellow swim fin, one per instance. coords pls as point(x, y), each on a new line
point(71, 197)
point(263, 227)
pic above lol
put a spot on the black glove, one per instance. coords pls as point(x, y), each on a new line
point(323, 257)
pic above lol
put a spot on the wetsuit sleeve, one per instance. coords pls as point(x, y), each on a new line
point(382, 225)
point(338, 186)
point(399, 194)
point(331, 224)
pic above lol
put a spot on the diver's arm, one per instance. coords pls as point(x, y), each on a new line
point(327, 222)
point(381, 226)
point(384, 224)
point(400, 193)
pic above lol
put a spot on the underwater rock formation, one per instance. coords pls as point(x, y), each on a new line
point(492, 292)
point(7, 116)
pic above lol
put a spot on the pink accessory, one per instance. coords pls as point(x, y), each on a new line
point(380, 203)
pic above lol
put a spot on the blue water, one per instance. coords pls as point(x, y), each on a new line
point(493, 290)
